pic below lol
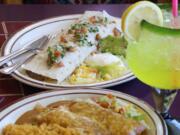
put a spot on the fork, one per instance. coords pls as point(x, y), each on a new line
point(9, 69)
point(32, 53)
point(33, 46)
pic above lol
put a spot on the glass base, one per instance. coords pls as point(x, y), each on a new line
point(163, 100)
point(173, 126)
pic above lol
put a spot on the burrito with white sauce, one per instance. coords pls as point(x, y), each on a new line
point(68, 49)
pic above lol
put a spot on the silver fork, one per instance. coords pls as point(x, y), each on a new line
point(9, 69)
point(32, 53)
point(33, 46)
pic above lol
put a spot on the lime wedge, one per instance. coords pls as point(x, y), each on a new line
point(132, 17)
point(159, 29)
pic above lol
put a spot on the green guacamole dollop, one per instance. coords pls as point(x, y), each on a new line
point(114, 45)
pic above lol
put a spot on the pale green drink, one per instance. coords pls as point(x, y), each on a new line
point(155, 57)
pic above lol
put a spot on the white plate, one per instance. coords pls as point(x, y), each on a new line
point(13, 112)
point(36, 30)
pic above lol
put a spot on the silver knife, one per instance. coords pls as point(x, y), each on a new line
point(29, 55)
point(33, 46)
point(9, 69)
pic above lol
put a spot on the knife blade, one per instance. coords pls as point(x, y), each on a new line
point(38, 44)
point(11, 68)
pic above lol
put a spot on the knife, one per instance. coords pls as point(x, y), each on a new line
point(9, 69)
point(38, 44)
point(29, 55)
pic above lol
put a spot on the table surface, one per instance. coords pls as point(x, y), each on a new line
point(13, 18)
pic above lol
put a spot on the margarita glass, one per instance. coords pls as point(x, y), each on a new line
point(155, 60)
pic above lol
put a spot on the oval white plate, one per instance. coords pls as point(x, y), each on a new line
point(36, 30)
point(13, 112)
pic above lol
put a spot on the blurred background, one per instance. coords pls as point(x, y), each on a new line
point(74, 1)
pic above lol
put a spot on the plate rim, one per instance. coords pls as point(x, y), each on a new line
point(91, 90)
point(45, 85)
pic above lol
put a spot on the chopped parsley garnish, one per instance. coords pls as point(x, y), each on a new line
point(98, 20)
point(93, 29)
point(83, 41)
point(80, 30)
point(54, 53)
point(105, 20)
point(78, 26)
point(80, 33)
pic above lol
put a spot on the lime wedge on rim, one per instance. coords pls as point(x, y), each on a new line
point(132, 17)
point(159, 29)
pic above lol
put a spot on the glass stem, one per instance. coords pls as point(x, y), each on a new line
point(163, 100)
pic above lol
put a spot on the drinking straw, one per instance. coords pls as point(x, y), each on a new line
point(175, 8)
